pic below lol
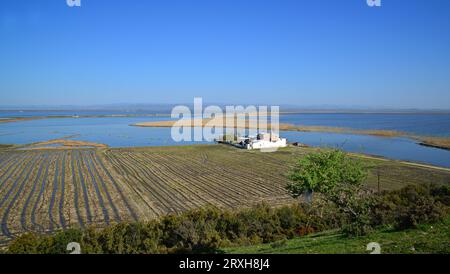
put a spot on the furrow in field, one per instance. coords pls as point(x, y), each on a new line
point(168, 183)
point(75, 190)
point(200, 184)
point(103, 186)
point(164, 184)
point(39, 197)
point(31, 194)
point(252, 169)
point(27, 161)
point(237, 176)
point(162, 204)
point(13, 164)
point(54, 190)
point(3, 157)
point(10, 161)
point(192, 179)
point(138, 185)
point(6, 157)
point(162, 200)
point(195, 192)
point(85, 190)
point(197, 174)
point(248, 179)
point(96, 187)
point(143, 203)
point(119, 190)
point(63, 188)
point(4, 226)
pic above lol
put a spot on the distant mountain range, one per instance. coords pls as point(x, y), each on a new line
point(166, 108)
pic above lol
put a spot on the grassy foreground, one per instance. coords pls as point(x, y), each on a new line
point(425, 239)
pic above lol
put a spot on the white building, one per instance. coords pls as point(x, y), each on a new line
point(262, 141)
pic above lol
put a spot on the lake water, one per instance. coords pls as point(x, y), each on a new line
point(116, 132)
point(434, 124)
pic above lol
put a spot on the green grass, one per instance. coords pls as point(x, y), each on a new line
point(6, 146)
point(425, 239)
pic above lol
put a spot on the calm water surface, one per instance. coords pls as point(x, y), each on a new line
point(420, 124)
point(116, 132)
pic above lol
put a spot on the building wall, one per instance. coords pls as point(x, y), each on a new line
point(267, 144)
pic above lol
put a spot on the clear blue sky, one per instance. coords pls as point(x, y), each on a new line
point(317, 52)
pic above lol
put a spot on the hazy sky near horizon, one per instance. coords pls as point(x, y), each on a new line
point(317, 52)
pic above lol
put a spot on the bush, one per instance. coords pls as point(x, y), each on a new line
point(358, 210)
point(58, 243)
point(441, 194)
point(324, 171)
point(196, 231)
point(410, 206)
point(339, 178)
point(208, 229)
point(27, 243)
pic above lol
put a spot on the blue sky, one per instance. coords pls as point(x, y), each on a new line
point(309, 53)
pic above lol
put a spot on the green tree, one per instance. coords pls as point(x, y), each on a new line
point(325, 172)
point(338, 178)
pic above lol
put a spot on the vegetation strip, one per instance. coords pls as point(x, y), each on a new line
point(63, 188)
point(31, 194)
point(3, 183)
point(52, 199)
point(85, 191)
point(76, 193)
point(127, 204)
point(4, 225)
point(97, 191)
point(105, 188)
point(36, 203)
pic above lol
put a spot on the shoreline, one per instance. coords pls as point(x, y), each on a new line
point(430, 141)
point(215, 122)
point(83, 145)
point(423, 140)
point(20, 119)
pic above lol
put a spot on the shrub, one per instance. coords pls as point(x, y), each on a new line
point(58, 243)
point(261, 222)
point(410, 206)
point(324, 171)
point(339, 178)
point(305, 230)
point(441, 193)
point(417, 206)
point(27, 243)
point(357, 208)
point(206, 230)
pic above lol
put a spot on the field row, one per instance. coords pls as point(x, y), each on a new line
point(169, 182)
point(48, 190)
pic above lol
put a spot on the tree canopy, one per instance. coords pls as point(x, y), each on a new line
point(324, 171)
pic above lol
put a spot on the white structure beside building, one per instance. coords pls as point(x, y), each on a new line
point(262, 141)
